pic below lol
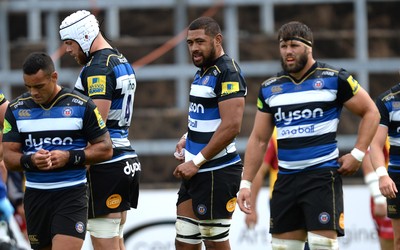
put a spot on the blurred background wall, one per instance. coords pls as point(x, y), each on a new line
point(361, 36)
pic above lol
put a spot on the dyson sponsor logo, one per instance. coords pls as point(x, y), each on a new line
point(38, 143)
point(290, 116)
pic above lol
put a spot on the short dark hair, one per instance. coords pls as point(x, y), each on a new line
point(210, 26)
point(38, 61)
point(295, 29)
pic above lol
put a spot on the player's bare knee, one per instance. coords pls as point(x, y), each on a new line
point(316, 241)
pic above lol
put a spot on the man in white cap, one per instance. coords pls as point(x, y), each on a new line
point(109, 79)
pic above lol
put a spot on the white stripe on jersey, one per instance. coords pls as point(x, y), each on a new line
point(297, 165)
point(231, 148)
point(46, 124)
point(323, 95)
point(393, 141)
point(204, 125)
point(202, 91)
point(394, 115)
point(114, 114)
point(78, 84)
point(52, 185)
point(121, 80)
point(307, 129)
point(120, 142)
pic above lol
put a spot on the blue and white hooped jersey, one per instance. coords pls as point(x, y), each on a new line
point(108, 75)
point(388, 104)
point(68, 123)
point(306, 114)
point(222, 81)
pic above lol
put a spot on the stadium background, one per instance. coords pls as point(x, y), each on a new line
point(359, 35)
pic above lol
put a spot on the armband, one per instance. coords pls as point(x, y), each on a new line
point(27, 163)
point(199, 160)
point(381, 171)
point(76, 157)
point(358, 154)
point(245, 184)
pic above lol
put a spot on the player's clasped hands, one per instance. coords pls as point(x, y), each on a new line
point(46, 160)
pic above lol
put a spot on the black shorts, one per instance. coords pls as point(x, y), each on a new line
point(393, 205)
point(114, 187)
point(51, 212)
point(311, 200)
point(213, 193)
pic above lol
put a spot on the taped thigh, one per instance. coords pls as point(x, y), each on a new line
point(284, 244)
point(187, 230)
point(316, 241)
point(215, 230)
point(104, 228)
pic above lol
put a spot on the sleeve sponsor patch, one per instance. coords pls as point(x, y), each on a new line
point(7, 127)
point(229, 88)
point(100, 121)
point(96, 85)
point(259, 103)
point(355, 86)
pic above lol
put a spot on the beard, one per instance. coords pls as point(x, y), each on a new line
point(298, 66)
point(208, 59)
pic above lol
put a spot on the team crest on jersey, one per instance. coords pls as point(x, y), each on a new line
point(67, 112)
point(96, 85)
point(324, 217)
point(396, 105)
point(201, 209)
point(318, 84)
point(205, 80)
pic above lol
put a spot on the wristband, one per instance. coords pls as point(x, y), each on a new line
point(199, 160)
point(27, 163)
point(76, 157)
point(358, 154)
point(245, 184)
point(381, 171)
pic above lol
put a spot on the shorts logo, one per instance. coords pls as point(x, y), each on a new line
point(324, 218)
point(201, 209)
point(80, 227)
point(231, 204)
point(113, 201)
point(341, 221)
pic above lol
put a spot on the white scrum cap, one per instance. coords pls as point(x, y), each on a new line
point(82, 27)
